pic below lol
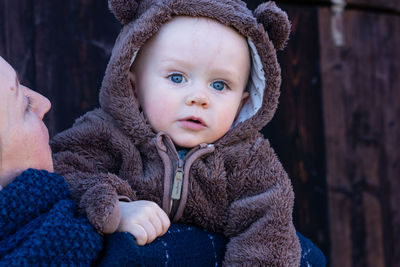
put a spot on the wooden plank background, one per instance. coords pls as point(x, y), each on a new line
point(389, 5)
point(361, 96)
point(296, 131)
point(336, 130)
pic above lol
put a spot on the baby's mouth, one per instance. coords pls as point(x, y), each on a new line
point(193, 122)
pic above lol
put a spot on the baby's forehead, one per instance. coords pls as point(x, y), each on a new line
point(182, 32)
point(192, 23)
point(185, 26)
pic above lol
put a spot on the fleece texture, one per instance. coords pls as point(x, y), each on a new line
point(236, 186)
point(39, 225)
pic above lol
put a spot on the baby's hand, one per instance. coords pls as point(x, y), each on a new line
point(143, 219)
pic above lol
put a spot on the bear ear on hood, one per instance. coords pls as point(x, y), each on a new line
point(275, 22)
point(123, 10)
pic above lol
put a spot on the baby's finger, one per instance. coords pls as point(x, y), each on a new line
point(157, 224)
point(150, 231)
point(164, 221)
point(140, 234)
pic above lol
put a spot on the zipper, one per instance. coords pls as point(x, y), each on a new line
point(176, 191)
point(178, 181)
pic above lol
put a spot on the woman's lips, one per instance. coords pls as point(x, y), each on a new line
point(193, 123)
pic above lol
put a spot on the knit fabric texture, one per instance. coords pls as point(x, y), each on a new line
point(182, 245)
point(185, 245)
point(39, 226)
point(311, 255)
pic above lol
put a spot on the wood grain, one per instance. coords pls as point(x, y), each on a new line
point(17, 38)
point(60, 49)
point(296, 131)
point(360, 101)
point(73, 41)
point(388, 5)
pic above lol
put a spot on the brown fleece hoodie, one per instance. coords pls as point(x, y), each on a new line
point(236, 186)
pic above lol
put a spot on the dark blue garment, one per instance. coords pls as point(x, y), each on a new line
point(185, 245)
point(39, 225)
point(311, 255)
point(182, 245)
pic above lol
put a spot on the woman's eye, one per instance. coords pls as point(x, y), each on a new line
point(218, 85)
point(177, 78)
point(28, 104)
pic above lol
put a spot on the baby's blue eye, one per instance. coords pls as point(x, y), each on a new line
point(218, 86)
point(176, 78)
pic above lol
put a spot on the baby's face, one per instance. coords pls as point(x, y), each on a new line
point(24, 139)
point(190, 79)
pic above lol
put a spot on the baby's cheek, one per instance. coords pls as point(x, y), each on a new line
point(157, 116)
point(225, 119)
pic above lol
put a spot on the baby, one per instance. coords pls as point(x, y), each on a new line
point(187, 89)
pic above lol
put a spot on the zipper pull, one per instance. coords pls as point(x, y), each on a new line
point(178, 179)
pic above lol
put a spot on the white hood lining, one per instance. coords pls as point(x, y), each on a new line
point(255, 87)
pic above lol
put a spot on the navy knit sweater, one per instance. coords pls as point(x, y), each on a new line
point(186, 246)
point(39, 225)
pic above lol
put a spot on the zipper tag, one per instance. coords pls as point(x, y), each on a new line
point(177, 185)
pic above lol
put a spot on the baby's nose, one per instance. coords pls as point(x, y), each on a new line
point(199, 97)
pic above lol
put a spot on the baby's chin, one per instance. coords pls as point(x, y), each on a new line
point(190, 143)
point(185, 145)
point(182, 143)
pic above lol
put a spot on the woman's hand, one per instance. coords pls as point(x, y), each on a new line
point(145, 220)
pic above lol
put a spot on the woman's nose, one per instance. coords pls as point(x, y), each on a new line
point(40, 104)
point(199, 98)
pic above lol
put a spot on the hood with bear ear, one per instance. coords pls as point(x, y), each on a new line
point(266, 30)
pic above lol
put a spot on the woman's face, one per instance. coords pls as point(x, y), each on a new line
point(24, 139)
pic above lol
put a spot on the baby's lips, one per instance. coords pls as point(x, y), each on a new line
point(195, 120)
